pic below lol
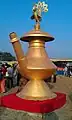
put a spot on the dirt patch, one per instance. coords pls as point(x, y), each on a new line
point(63, 85)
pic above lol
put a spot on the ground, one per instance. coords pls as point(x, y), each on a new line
point(64, 85)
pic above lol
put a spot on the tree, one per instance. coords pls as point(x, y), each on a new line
point(6, 56)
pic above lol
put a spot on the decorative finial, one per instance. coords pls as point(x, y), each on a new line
point(37, 9)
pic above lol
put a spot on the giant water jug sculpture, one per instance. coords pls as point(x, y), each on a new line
point(35, 65)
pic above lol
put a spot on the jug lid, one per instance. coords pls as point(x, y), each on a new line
point(37, 34)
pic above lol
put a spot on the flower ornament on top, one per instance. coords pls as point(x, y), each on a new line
point(37, 9)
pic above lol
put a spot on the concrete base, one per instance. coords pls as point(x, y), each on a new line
point(9, 114)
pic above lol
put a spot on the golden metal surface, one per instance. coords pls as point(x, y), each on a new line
point(36, 90)
point(37, 34)
point(35, 65)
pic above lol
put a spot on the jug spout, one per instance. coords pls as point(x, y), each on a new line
point(18, 49)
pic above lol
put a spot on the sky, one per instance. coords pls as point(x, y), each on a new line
point(15, 17)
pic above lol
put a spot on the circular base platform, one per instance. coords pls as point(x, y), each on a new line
point(14, 102)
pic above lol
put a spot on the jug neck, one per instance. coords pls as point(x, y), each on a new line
point(37, 43)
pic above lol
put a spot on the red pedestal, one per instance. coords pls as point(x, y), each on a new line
point(45, 106)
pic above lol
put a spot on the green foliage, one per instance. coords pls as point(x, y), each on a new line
point(6, 56)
